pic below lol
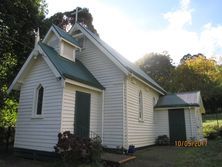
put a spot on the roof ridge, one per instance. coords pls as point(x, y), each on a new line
point(128, 65)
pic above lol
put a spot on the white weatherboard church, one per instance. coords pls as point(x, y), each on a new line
point(76, 82)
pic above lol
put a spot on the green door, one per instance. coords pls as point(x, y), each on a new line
point(82, 114)
point(177, 125)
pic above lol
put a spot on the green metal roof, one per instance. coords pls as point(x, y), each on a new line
point(69, 69)
point(66, 36)
point(124, 62)
point(185, 99)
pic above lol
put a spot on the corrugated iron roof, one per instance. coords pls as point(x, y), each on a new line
point(184, 99)
point(69, 69)
point(66, 36)
point(124, 62)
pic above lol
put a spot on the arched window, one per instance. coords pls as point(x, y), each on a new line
point(140, 105)
point(154, 101)
point(39, 100)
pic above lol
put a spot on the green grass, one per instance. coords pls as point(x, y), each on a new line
point(211, 124)
point(208, 156)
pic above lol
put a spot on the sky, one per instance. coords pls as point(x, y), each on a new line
point(135, 28)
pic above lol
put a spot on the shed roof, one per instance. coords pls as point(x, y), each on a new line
point(130, 67)
point(184, 99)
point(69, 69)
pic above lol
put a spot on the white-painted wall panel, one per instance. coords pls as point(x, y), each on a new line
point(112, 78)
point(68, 111)
point(39, 133)
point(54, 42)
point(140, 133)
point(161, 122)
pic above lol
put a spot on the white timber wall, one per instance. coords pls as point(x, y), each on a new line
point(112, 78)
point(54, 42)
point(193, 123)
point(140, 133)
point(67, 51)
point(39, 133)
point(68, 112)
point(161, 122)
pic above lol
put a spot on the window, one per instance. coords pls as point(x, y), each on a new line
point(39, 100)
point(140, 106)
point(154, 101)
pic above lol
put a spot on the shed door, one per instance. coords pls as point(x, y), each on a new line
point(82, 114)
point(177, 125)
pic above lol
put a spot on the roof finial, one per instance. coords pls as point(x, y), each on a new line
point(37, 36)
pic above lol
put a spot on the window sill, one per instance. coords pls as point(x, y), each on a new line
point(140, 120)
point(37, 117)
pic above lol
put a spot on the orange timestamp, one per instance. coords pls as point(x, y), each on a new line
point(191, 143)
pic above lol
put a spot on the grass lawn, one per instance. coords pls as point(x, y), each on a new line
point(209, 156)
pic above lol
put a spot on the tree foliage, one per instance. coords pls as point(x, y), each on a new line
point(66, 19)
point(159, 67)
point(199, 73)
point(195, 72)
point(18, 19)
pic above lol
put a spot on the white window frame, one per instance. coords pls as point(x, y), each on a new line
point(140, 106)
point(35, 102)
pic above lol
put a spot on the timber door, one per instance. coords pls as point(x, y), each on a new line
point(82, 114)
point(177, 125)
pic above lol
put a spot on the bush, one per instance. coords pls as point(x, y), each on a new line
point(75, 150)
point(212, 135)
point(163, 140)
point(211, 130)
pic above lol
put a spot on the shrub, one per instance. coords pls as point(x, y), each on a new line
point(163, 140)
point(211, 130)
point(212, 135)
point(220, 132)
point(75, 150)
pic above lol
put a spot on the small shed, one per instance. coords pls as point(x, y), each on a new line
point(179, 116)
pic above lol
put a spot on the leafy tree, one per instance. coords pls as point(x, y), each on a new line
point(65, 19)
point(199, 73)
point(189, 56)
point(18, 19)
point(159, 67)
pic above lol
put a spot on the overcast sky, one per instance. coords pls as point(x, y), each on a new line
point(135, 28)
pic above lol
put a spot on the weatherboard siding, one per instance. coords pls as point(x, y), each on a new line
point(199, 124)
point(191, 124)
point(39, 133)
point(193, 119)
point(140, 133)
point(68, 112)
point(54, 42)
point(161, 122)
point(112, 78)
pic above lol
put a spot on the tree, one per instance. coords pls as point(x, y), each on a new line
point(199, 73)
point(159, 67)
point(189, 56)
point(18, 19)
point(65, 19)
